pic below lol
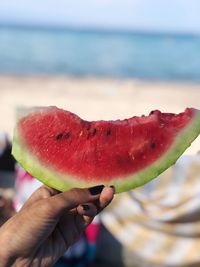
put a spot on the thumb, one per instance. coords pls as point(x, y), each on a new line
point(71, 199)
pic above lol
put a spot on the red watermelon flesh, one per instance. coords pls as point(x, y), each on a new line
point(87, 153)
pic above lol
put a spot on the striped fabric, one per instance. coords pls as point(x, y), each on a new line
point(160, 222)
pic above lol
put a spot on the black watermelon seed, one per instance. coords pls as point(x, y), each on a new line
point(94, 131)
point(59, 136)
point(108, 132)
point(153, 145)
point(91, 133)
point(68, 135)
point(88, 127)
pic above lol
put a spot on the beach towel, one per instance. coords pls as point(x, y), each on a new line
point(160, 222)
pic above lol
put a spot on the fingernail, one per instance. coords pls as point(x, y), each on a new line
point(85, 207)
point(95, 190)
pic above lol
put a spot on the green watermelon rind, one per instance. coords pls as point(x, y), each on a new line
point(60, 182)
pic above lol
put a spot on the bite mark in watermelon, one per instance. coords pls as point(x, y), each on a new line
point(64, 151)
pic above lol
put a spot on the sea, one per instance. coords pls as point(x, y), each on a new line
point(117, 54)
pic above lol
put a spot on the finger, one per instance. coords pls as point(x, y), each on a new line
point(88, 212)
point(76, 220)
point(105, 198)
point(84, 213)
point(72, 199)
point(87, 209)
point(41, 193)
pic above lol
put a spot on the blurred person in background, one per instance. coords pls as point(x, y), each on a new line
point(7, 166)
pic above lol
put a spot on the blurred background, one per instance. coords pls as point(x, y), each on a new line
point(155, 40)
point(102, 59)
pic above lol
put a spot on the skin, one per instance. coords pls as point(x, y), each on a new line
point(49, 222)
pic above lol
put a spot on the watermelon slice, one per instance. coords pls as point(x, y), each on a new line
point(64, 151)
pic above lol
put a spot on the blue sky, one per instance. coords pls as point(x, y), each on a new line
point(158, 15)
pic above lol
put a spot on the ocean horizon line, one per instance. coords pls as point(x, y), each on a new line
point(96, 30)
point(37, 75)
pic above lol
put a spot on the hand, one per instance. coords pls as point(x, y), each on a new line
point(48, 223)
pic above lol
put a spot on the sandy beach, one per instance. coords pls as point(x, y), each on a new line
point(93, 98)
